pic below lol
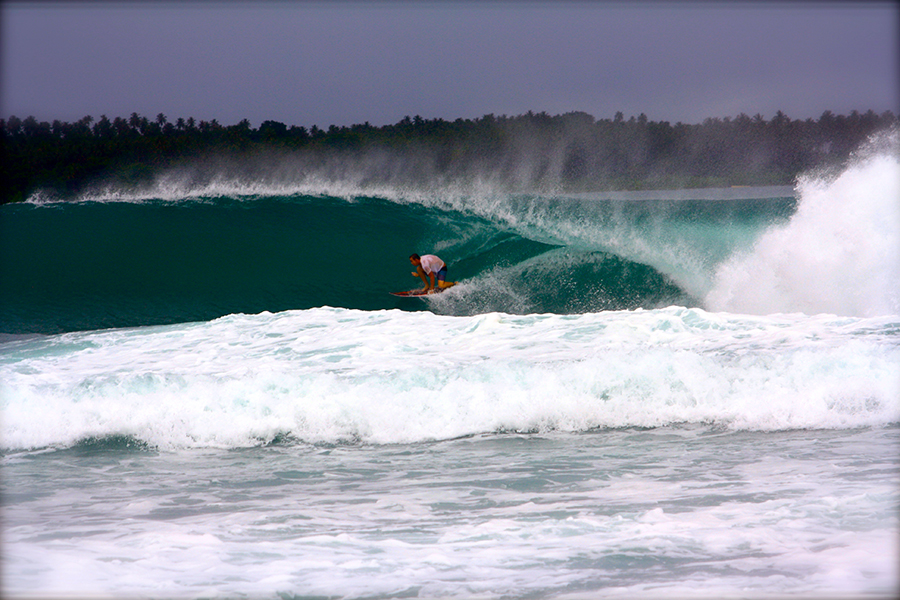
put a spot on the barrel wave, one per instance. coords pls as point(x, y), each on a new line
point(183, 251)
point(98, 264)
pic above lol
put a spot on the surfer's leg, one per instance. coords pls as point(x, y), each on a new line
point(441, 277)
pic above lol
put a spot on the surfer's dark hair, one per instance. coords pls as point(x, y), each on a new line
point(415, 256)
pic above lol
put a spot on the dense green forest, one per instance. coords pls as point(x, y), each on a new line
point(573, 151)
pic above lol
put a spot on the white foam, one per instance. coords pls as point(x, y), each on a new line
point(681, 512)
point(328, 375)
point(840, 253)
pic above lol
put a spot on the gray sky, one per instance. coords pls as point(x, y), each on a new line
point(310, 63)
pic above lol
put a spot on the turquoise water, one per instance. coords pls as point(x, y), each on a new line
point(96, 264)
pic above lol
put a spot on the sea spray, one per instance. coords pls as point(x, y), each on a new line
point(840, 253)
point(205, 244)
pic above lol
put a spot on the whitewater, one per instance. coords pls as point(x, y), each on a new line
point(689, 393)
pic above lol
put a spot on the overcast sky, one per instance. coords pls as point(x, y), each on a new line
point(310, 63)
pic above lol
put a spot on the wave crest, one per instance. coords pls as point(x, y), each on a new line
point(840, 253)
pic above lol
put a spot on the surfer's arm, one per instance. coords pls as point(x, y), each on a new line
point(420, 272)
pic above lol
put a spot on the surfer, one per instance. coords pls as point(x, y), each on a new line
point(428, 268)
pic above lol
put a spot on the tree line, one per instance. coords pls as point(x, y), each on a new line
point(572, 151)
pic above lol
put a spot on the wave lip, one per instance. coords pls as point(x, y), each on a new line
point(342, 376)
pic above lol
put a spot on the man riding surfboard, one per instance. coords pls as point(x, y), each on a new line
point(430, 268)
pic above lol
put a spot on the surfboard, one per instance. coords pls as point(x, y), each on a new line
point(420, 293)
point(417, 293)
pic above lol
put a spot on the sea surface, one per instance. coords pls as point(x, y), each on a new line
point(208, 392)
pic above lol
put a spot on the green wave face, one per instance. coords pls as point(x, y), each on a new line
point(94, 265)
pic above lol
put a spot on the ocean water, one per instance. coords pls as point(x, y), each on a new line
point(207, 391)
